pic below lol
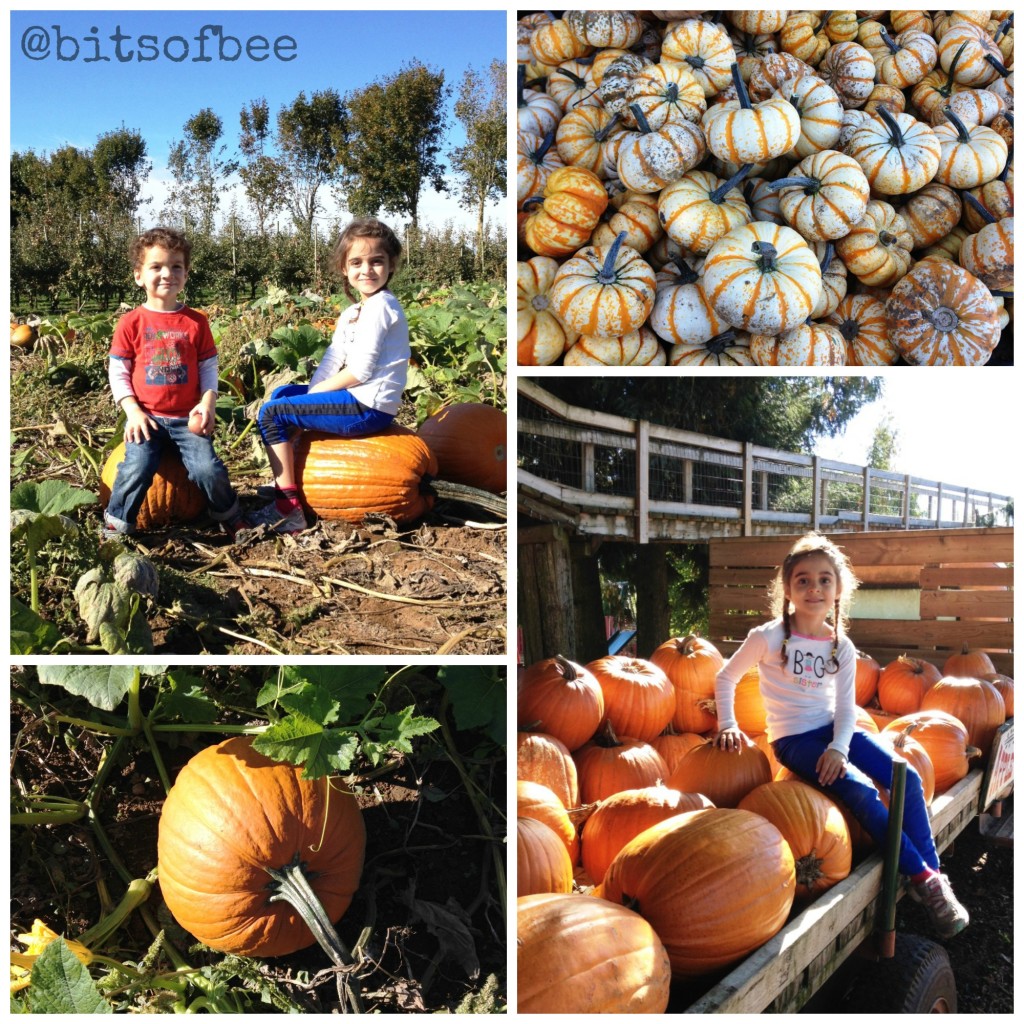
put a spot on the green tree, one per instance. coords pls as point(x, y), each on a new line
point(310, 138)
point(481, 164)
point(397, 131)
point(201, 167)
point(121, 169)
point(264, 178)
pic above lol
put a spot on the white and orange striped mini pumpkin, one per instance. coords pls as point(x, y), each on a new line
point(969, 156)
point(637, 348)
point(824, 195)
point(807, 344)
point(604, 290)
point(941, 315)
point(860, 319)
point(898, 153)
point(821, 113)
point(730, 348)
point(877, 250)
point(541, 338)
point(700, 208)
point(705, 47)
point(683, 312)
point(650, 160)
point(762, 278)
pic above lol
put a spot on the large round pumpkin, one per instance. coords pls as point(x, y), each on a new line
point(542, 860)
point(639, 699)
point(172, 496)
point(715, 884)
point(470, 441)
point(944, 738)
point(723, 776)
point(231, 815)
point(577, 954)
point(350, 477)
point(976, 702)
point(562, 699)
point(691, 663)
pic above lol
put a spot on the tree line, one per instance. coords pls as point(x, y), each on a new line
point(373, 151)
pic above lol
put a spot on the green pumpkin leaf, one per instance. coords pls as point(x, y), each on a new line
point(30, 633)
point(103, 686)
point(61, 984)
point(478, 697)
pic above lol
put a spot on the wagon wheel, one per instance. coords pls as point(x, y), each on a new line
point(918, 979)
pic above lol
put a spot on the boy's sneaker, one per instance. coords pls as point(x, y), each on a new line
point(947, 914)
point(291, 522)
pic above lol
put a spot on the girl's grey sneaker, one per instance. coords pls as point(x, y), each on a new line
point(948, 916)
point(292, 522)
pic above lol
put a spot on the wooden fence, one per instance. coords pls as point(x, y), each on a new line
point(960, 582)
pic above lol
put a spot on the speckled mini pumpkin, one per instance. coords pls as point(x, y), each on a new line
point(807, 344)
point(637, 348)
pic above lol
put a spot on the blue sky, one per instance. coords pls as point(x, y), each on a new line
point(72, 101)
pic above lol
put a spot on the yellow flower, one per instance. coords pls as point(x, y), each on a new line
point(37, 940)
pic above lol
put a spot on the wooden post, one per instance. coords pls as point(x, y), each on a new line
point(906, 501)
point(815, 485)
point(748, 489)
point(643, 481)
point(867, 498)
point(588, 468)
point(546, 594)
point(967, 506)
point(938, 510)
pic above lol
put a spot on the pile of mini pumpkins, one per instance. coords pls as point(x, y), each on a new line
point(775, 188)
point(653, 854)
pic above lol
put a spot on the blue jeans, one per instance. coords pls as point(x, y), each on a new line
point(868, 761)
point(333, 412)
point(141, 459)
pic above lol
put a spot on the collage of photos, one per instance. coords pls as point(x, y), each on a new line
point(265, 418)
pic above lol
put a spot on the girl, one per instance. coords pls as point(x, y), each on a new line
point(807, 671)
point(357, 388)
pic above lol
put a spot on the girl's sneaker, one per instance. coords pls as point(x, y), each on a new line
point(281, 522)
point(948, 916)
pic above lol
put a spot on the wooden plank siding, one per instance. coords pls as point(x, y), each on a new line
point(962, 580)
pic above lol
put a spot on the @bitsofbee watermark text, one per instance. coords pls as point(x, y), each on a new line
point(210, 43)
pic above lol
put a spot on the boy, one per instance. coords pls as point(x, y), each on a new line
point(163, 373)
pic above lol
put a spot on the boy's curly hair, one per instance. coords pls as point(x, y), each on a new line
point(170, 238)
point(365, 227)
point(846, 583)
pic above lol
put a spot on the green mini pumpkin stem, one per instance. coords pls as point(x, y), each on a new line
point(537, 156)
point(961, 128)
point(767, 254)
point(741, 89)
point(601, 135)
point(943, 318)
point(895, 132)
point(826, 259)
point(720, 342)
point(520, 85)
point(719, 194)
point(687, 275)
point(572, 76)
point(886, 238)
point(1004, 27)
point(672, 93)
point(607, 275)
point(946, 89)
point(996, 63)
point(810, 185)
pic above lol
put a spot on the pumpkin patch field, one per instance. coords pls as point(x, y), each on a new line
point(765, 188)
point(258, 839)
point(406, 545)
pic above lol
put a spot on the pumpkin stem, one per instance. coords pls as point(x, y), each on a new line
point(741, 89)
point(572, 76)
point(720, 342)
point(565, 668)
point(1003, 28)
point(943, 318)
point(849, 329)
point(672, 92)
point(886, 238)
point(985, 214)
point(998, 65)
point(291, 885)
point(607, 275)
point(894, 47)
point(687, 275)
point(946, 89)
point(961, 128)
point(809, 185)
point(537, 156)
point(601, 135)
point(895, 133)
point(826, 258)
point(719, 194)
point(635, 110)
point(520, 85)
point(606, 737)
point(767, 254)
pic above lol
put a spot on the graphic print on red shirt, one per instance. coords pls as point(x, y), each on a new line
point(165, 350)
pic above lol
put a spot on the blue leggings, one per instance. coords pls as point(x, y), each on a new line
point(868, 760)
point(333, 412)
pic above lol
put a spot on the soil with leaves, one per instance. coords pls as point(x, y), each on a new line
point(436, 586)
point(423, 749)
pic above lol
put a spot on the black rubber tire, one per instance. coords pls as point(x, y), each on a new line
point(918, 979)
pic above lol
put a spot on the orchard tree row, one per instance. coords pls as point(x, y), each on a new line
point(373, 151)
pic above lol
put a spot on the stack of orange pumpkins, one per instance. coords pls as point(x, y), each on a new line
point(634, 828)
point(778, 188)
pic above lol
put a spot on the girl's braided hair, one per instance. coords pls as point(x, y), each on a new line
point(846, 584)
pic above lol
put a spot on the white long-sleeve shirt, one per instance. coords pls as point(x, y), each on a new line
point(800, 695)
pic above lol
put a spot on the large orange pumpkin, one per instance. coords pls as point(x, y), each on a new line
point(561, 698)
point(537, 801)
point(624, 815)
point(691, 663)
point(945, 739)
point(234, 816)
point(608, 765)
point(723, 776)
point(976, 702)
point(577, 954)
point(903, 683)
point(172, 497)
point(470, 441)
point(542, 861)
point(969, 664)
point(813, 826)
point(350, 477)
point(546, 759)
point(639, 699)
point(715, 884)
point(674, 746)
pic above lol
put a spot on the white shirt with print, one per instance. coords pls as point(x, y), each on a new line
point(800, 695)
